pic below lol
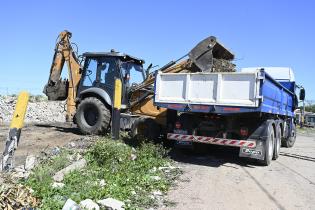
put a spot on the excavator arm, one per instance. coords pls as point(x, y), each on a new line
point(56, 88)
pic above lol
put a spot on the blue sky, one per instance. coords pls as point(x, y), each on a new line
point(260, 33)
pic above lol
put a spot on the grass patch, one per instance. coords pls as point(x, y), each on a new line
point(130, 174)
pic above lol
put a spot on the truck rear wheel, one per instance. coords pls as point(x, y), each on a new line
point(92, 116)
point(277, 142)
point(290, 140)
point(145, 128)
point(269, 146)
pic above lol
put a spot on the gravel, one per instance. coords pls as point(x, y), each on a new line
point(38, 111)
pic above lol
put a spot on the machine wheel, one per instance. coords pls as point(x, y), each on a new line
point(290, 140)
point(277, 142)
point(145, 128)
point(269, 146)
point(92, 116)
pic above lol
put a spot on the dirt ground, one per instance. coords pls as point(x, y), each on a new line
point(216, 179)
point(37, 137)
point(220, 179)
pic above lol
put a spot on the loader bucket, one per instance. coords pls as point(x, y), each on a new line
point(203, 53)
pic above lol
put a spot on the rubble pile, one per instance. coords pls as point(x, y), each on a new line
point(38, 111)
point(16, 196)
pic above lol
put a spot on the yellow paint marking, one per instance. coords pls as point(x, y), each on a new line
point(117, 94)
point(20, 110)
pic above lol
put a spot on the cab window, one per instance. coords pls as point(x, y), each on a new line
point(132, 73)
point(90, 73)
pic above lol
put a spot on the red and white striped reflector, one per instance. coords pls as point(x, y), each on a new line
point(211, 140)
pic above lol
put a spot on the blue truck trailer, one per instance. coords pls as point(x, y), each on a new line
point(252, 109)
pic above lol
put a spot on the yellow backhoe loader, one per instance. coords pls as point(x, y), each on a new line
point(90, 84)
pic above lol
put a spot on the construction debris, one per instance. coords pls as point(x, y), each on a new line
point(111, 203)
point(16, 196)
point(39, 111)
point(30, 162)
point(89, 205)
point(70, 204)
point(58, 177)
point(222, 65)
point(19, 172)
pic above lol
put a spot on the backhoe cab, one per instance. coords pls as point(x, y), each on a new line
point(96, 88)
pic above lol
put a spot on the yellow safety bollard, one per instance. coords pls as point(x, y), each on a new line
point(117, 95)
point(20, 111)
point(116, 109)
point(16, 125)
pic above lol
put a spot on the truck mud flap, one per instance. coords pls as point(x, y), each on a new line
point(256, 153)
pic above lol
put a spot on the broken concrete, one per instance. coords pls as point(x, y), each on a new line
point(89, 205)
point(58, 177)
point(30, 162)
point(70, 204)
point(111, 203)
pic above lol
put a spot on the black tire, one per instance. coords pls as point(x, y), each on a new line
point(145, 128)
point(269, 146)
point(277, 142)
point(290, 140)
point(93, 117)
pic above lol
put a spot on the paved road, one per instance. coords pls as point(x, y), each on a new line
point(220, 179)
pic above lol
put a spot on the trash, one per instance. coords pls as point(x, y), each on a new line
point(133, 157)
point(20, 173)
point(112, 204)
point(75, 157)
point(89, 205)
point(58, 177)
point(57, 185)
point(55, 151)
point(71, 205)
point(156, 178)
point(30, 162)
point(102, 183)
point(72, 144)
point(157, 193)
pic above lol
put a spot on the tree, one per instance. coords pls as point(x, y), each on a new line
point(310, 106)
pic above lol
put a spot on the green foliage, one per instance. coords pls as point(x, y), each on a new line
point(127, 178)
point(41, 179)
point(310, 108)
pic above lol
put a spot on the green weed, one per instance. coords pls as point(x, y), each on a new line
point(130, 175)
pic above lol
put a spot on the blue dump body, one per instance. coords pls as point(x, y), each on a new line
point(276, 98)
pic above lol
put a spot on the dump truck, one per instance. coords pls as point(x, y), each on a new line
point(252, 109)
point(89, 87)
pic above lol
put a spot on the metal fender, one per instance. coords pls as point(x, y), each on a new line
point(99, 92)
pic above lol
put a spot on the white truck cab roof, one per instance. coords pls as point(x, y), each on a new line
point(280, 74)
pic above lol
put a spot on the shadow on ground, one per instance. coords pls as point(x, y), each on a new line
point(66, 128)
point(212, 156)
